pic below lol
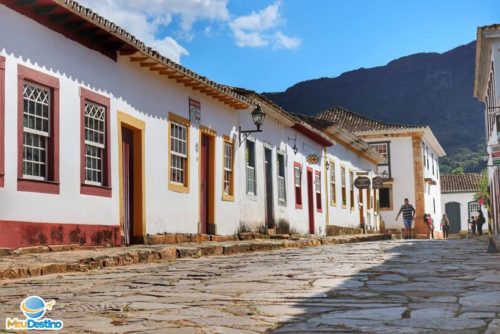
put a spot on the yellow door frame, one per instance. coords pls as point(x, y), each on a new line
point(138, 128)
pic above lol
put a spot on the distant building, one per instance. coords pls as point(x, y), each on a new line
point(457, 196)
point(410, 169)
point(485, 83)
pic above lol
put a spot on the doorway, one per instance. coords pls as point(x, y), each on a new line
point(131, 165)
point(268, 168)
point(453, 212)
point(207, 185)
point(310, 199)
point(361, 210)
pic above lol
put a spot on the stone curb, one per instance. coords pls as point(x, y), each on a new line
point(171, 253)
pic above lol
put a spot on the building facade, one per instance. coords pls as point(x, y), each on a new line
point(410, 167)
point(486, 81)
point(105, 141)
point(457, 194)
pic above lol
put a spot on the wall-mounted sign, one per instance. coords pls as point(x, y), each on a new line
point(194, 112)
point(312, 159)
point(378, 182)
point(362, 182)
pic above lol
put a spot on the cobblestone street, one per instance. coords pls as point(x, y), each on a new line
point(386, 286)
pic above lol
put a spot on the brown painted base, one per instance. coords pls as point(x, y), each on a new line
point(15, 234)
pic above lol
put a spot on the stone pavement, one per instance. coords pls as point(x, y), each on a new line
point(398, 286)
point(40, 260)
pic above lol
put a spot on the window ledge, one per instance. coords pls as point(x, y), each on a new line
point(298, 206)
point(228, 198)
point(95, 190)
point(38, 186)
point(280, 203)
point(333, 204)
point(319, 210)
point(178, 188)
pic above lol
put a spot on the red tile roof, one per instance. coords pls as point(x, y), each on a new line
point(357, 123)
point(457, 183)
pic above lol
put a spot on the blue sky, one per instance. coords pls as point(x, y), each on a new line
point(269, 45)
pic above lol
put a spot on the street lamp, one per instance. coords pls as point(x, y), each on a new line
point(258, 117)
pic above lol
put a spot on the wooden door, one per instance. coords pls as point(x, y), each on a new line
point(128, 184)
point(361, 211)
point(268, 166)
point(310, 200)
point(204, 158)
point(453, 212)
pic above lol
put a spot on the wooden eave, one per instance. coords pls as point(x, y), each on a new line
point(83, 26)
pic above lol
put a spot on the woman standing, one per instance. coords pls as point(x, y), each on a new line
point(445, 226)
point(480, 222)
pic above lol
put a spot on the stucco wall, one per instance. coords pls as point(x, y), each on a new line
point(463, 199)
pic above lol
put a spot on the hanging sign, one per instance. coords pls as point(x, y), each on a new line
point(362, 182)
point(312, 159)
point(194, 112)
point(378, 182)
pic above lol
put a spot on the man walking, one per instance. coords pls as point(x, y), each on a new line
point(408, 215)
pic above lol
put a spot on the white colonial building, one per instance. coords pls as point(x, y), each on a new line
point(487, 78)
point(457, 196)
point(105, 141)
point(410, 167)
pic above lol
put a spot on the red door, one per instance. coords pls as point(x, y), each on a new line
point(204, 184)
point(127, 160)
point(310, 200)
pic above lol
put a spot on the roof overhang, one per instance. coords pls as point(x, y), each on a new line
point(313, 134)
point(82, 25)
point(354, 143)
point(483, 58)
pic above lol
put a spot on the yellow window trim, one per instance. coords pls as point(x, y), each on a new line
point(173, 186)
point(228, 197)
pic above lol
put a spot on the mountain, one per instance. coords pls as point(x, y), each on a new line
point(432, 89)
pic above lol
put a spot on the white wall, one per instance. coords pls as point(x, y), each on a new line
point(432, 192)
point(463, 199)
point(132, 90)
point(344, 216)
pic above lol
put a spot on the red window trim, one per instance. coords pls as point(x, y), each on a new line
point(319, 202)
point(297, 205)
point(2, 120)
point(52, 185)
point(87, 189)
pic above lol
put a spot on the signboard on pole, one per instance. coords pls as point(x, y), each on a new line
point(378, 182)
point(362, 182)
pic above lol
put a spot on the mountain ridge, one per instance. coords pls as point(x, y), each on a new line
point(426, 88)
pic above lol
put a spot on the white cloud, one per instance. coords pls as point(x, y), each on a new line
point(146, 18)
point(258, 29)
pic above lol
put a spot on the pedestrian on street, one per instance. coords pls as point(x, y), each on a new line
point(472, 223)
point(408, 215)
point(445, 226)
point(429, 222)
point(480, 222)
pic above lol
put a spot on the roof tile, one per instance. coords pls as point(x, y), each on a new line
point(453, 183)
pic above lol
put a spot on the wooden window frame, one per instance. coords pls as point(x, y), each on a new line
point(51, 185)
point(333, 191)
point(2, 121)
point(229, 196)
point(297, 189)
point(283, 155)
point(254, 166)
point(173, 186)
point(391, 204)
point(105, 189)
point(351, 191)
point(343, 186)
point(317, 191)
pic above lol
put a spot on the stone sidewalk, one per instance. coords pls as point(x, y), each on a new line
point(81, 260)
